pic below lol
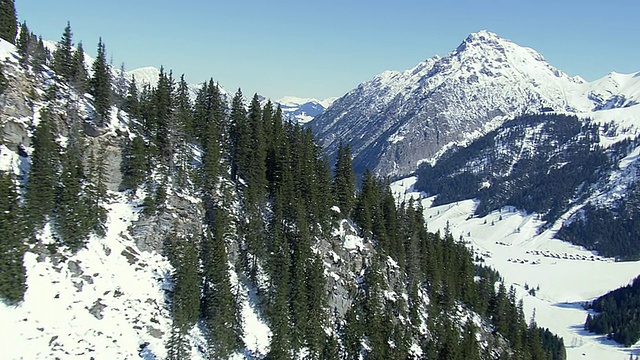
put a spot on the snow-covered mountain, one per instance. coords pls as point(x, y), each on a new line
point(144, 75)
point(303, 110)
point(402, 118)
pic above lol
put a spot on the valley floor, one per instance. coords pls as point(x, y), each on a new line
point(562, 276)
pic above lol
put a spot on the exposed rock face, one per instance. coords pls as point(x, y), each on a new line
point(16, 109)
point(181, 216)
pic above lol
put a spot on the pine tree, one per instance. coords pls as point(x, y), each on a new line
point(40, 195)
point(100, 85)
point(160, 123)
point(207, 126)
point(121, 85)
point(63, 62)
point(352, 333)
point(8, 22)
point(132, 102)
point(366, 204)
point(257, 168)
point(23, 42)
point(240, 137)
point(218, 306)
point(12, 249)
point(95, 189)
point(183, 122)
point(74, 218)
point(135, 163)
point(31, 49)
point(78, 70)
point(279, 288)
point(186, 294)
point(41, 55)
point(344, 180)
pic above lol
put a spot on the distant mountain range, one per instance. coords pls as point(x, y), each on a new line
point(400, 119)
point(303, 110)
point(297, 109)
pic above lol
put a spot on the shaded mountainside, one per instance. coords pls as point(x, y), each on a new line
point(161, 226)
point(400, 119)
point(551, 165)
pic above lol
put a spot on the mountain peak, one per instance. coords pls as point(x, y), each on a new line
point(486, 40)
point(482, 35)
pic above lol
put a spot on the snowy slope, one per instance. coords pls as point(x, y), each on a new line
point(566, 275)
point(107, 300)
point(401, 118)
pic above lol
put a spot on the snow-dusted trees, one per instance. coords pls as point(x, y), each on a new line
point(344, 180)
point(63, 55)
point(12, 248)
point(40, 195)
point(78, 77)
point(218, 307)
point(183, 252)
point(31, 49)
point(100, 85)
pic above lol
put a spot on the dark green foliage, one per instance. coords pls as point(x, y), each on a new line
point(186, 294)
point(159, 124)
point(40, 195)
point(100, 85)
point(78, 76)
point(135, 163)
point(132, 101)
point(8, 22)
point(12, 271)
point(353, 333)
point(3, 80)
point(95, 189)
point(618, 314)
point(25, 42)
point(366, 204)
point(207, 126)
point(240, 139)
point(63, 60)
point(81, 192)
point(31, 49)
point(183, 119)
point(255, 168)
point(218, 306)
point(344, 180)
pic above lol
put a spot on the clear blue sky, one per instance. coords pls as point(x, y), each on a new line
point(326, 48)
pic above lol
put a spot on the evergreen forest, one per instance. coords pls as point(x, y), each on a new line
point(270, 202)
point(617, 314)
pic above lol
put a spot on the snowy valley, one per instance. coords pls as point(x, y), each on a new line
point(562, 276)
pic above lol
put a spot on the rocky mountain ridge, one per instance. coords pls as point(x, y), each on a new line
point(400, 119)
